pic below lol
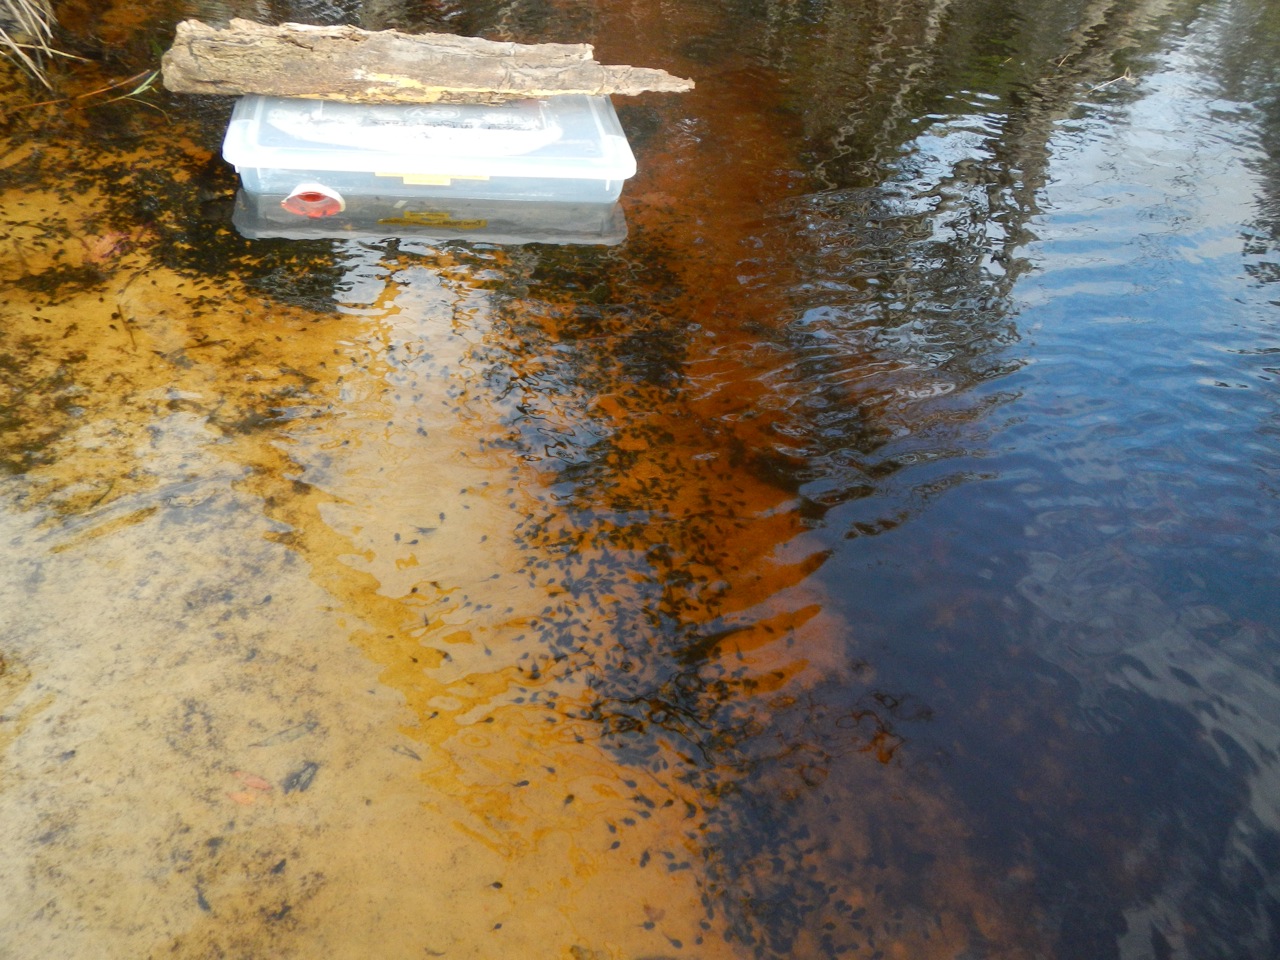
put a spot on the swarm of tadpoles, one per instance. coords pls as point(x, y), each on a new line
point(26, 34)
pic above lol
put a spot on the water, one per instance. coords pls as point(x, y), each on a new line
point(873, 555)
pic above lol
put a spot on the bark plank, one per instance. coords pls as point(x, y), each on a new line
point(360, 66)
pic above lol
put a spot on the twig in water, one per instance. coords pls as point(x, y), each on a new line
point(1126, 77)
point(136, 93)
point(148, 78)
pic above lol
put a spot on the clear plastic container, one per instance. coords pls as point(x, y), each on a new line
point(568, 148)
point(435, 219)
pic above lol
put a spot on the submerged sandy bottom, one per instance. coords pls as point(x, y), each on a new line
point(262, 688)
point(213, 740)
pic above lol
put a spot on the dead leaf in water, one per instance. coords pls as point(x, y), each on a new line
point(105, 247)
point(252, 780)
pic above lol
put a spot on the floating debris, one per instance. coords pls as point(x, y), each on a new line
point(301, 778)
point(287, 735)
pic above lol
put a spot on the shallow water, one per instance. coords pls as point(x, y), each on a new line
point(873, 555)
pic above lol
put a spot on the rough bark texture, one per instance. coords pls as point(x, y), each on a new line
point(346, 63)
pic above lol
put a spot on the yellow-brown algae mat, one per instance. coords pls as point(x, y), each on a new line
point(211, 496)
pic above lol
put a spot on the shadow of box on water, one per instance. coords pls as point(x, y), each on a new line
point(640, 122)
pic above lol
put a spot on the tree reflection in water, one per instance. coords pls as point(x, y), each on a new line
point(688, 451)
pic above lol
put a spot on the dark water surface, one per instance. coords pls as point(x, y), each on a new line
point(875, 555)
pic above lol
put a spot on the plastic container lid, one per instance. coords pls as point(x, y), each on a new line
point(561, 137)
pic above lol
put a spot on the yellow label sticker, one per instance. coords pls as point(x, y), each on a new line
point(433, 218)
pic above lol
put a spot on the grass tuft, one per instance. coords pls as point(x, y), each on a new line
point(26, 34)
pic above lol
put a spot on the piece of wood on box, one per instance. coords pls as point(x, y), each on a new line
point(361, 66)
